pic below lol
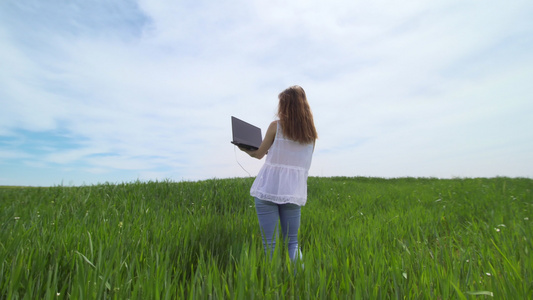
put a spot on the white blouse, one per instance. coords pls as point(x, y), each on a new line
point(283, 177)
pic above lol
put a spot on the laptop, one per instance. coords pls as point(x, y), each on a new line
point(245, 135)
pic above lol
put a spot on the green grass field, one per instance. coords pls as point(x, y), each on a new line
point(362, 238)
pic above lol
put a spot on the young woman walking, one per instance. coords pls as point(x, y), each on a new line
point(280, 188)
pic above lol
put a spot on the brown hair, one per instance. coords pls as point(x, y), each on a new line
point(295, 115)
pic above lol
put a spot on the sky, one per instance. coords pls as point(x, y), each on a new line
point(120, 91)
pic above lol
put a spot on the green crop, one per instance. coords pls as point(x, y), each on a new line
point(361, 238)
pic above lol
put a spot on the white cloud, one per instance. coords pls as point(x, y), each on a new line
point(397, 89)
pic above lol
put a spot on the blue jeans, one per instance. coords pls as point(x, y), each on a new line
point(269, 214)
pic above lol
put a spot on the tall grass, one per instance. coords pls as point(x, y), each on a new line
point(362, 238)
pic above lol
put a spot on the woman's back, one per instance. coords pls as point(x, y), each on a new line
point(289, 153)
point(283, 177)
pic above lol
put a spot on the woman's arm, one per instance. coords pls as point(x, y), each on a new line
point(267, 142)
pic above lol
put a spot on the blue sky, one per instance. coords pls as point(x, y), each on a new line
point(118, 91)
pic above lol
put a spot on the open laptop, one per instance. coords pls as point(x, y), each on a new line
point(245, 135)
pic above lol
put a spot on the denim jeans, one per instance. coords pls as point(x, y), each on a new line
point(288, 215)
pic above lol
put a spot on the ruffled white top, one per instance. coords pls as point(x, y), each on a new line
point(283, 177)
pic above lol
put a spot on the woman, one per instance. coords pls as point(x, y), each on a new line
point(280, 188)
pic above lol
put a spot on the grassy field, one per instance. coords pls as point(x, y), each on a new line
point(362, 238)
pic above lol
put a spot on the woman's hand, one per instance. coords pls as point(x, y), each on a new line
point(249, 152)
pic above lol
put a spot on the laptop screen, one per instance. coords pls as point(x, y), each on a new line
point(245, 134)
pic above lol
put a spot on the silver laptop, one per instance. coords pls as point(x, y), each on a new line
point(245, 135)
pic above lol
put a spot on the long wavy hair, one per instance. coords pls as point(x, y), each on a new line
point(295, 115)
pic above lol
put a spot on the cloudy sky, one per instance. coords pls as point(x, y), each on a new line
point(117, 91)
